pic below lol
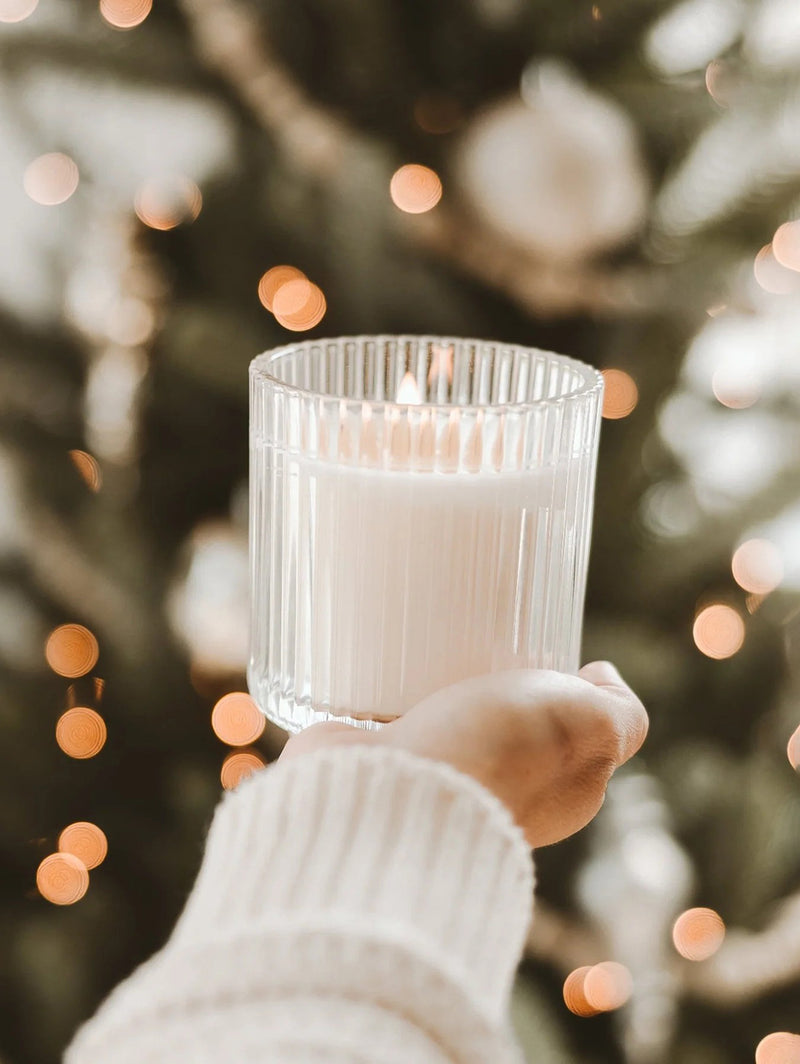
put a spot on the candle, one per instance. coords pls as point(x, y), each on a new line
point(404, 547)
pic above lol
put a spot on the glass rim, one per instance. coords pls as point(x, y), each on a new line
point(591, 379)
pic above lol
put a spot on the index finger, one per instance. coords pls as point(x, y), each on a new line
point(629, 715)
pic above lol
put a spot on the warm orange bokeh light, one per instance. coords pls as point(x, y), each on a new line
point(772, 276)
point(17, 10)
point(80, 732)
point(299, 305)
point(793, 750)
point(239, 766)
point(607, 986)
point(698, 934)
point(273, 279)
point(621, 394)
point(757, 566)
point(62, 878)
point(786, 245)
point(781, 1047)
point(237, 720)
point(718, 631)
point(125, 14)
point(71, 650)
point(575, 995)
point(51, 179)
point(415, 189)
point(88, 468)
point(85, 841)
point(165, 202)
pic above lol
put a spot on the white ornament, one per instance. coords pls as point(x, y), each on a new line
point(557, 172)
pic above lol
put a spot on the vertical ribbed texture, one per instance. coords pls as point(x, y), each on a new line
point(375, 839)
point(385, 534)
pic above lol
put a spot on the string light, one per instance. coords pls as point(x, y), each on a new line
point(698, 934)
point(757, 566)
point(793, 750)
point(299, 305)
point(272, 280)
point(166, 202)
point(718, 631)
point(237, 720)
point(781, 1047)
point(81, 733)
point(88, 468)
point(607, 986)
point(574, 993)
point(85, 841)
point(238, 766)
point(620, 395)
point(17, 10)
point(62, 879)
point(71, 650)
point(415, 189)
point(125, 14)
point(51, 179)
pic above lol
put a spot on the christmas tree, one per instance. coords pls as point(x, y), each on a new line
point(620, 182)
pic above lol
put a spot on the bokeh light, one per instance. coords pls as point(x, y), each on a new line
point(415, 189)
point(736, 386)
point(239, 766)
point(621, 394)
point(237, 720)
point(272, 280)
point(62, 878)
point(85, 841)
point(436, 113)
point(786, 245)
point(780, 1047)
point(772, 276)
point(793, 750)
point(607, 986)
point(757, 566)
point(718, 631)
point(17, 10)
point(698, 933)
point(130, 322)
point(168, 201)
point(81, 733)
point(575, 995)
point(125, 14)
point(299, 305)
point(51, 179)
point(88, 468)
point(71, 650)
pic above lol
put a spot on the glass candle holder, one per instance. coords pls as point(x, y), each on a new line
point(420, 512)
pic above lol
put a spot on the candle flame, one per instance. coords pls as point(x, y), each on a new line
point(408, 392)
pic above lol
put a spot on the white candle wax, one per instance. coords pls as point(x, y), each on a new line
point(402, 582)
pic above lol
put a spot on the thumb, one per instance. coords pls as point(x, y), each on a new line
point(327, 733)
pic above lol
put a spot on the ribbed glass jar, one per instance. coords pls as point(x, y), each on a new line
point(420, 512)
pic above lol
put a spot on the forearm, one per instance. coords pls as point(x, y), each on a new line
point(357, 903)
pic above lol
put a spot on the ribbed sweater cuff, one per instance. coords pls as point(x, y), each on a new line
point(378, 840)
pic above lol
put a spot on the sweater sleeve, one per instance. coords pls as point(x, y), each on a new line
point(354, 904)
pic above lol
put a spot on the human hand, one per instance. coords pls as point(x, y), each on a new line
point(545, 743)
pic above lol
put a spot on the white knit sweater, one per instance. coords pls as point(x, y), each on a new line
point(357, 904)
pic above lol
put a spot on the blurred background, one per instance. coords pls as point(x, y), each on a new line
point(619, 182)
